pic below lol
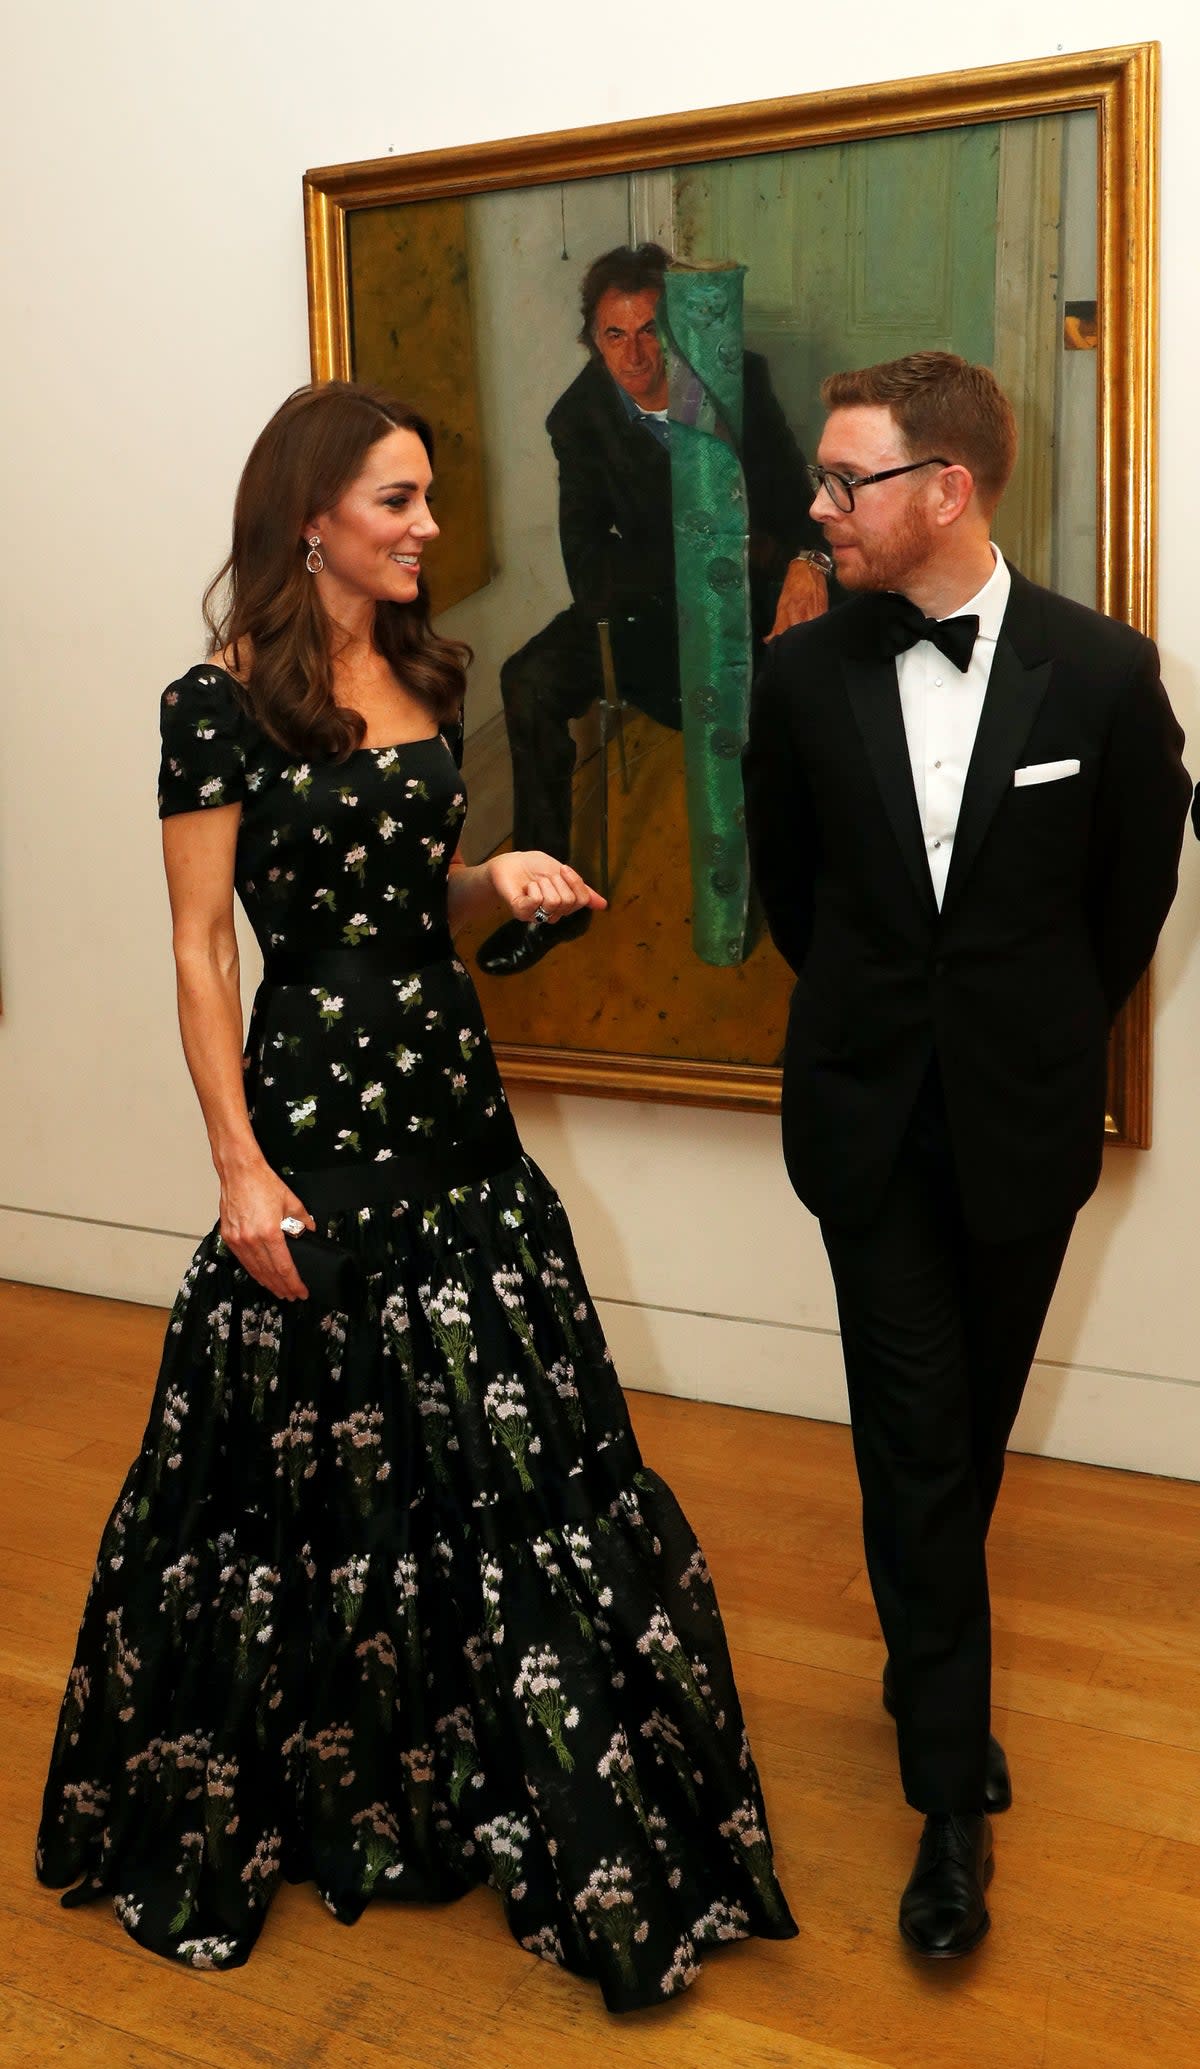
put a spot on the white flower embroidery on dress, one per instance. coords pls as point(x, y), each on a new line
point(608, 1908)
point(457, 1734)
point(721, 1921)
point(545, 1943)
point(504, 1839)
point(449, 1317)
point(379, 1840)
point(508, 1416)
point(207, 1953)
point(540, 1686)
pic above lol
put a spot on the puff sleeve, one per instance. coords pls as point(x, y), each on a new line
point(451, 731)
point(203, 744)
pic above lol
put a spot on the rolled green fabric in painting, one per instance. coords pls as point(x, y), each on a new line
point(700, 317)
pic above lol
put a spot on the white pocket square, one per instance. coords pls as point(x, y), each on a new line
point(1045, 772)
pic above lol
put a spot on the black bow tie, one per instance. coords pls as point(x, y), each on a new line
point(896, 624)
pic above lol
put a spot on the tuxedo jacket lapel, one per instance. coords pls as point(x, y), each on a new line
point(1016, 687)
point(875, 701)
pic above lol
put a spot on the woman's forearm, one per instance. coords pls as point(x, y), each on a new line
point(210, 1022)
point(199, 849)
point(469, 891)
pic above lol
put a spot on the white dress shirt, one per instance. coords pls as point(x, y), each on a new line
point(941, 711)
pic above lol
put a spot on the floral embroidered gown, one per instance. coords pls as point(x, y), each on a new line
point(388, 1600)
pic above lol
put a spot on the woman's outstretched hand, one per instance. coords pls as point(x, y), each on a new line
point(535, 886)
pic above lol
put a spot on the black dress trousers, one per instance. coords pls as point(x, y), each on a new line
point(939, 1331)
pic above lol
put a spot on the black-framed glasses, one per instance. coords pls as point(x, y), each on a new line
point(840, 487)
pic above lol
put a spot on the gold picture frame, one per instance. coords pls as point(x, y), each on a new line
point(1120, 89)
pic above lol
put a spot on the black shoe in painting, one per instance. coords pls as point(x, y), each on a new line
point(519, 944)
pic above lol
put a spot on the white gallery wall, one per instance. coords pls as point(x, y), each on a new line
point(154, 315)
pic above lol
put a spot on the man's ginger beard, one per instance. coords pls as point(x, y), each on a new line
point(884, 560)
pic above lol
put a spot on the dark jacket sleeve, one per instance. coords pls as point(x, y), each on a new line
point(1141, 811)
point(614, 555)
point(780, 822)
point(777, 486)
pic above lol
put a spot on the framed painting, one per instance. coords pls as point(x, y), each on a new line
point(1008, 214)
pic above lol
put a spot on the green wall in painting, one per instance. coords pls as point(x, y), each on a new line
point(854, 252)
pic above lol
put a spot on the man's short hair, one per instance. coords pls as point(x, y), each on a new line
point(941, 404)
point(631, 269)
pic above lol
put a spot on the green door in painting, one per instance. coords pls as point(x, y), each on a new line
point(854, 252)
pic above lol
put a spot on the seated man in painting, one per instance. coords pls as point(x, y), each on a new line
point(610, 436)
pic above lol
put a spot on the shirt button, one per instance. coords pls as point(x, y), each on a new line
point(937, 765)
point(937, 682)
point(937, 844)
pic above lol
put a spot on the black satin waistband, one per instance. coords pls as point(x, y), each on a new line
point(407, 1174)
point(356, 965)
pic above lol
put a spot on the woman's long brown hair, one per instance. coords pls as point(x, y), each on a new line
point(271, 619)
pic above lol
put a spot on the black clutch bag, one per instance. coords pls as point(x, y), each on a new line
point(332, 1274)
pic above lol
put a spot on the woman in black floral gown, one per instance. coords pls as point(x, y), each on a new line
point(388, 1600)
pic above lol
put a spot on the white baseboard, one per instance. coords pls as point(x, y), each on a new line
point(1138, 1421)
point(1142, 1422)
point(99, 1257)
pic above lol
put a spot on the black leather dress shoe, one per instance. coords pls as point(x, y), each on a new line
point(997, 1782)
point(943, 1912)
point(519, 944)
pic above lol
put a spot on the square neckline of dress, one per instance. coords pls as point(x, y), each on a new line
point(387, 746)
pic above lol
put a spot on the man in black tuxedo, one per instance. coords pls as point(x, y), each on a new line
point(609, 435)
point(965, 837)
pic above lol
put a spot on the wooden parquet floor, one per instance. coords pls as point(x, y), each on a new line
point(1094, 1957)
